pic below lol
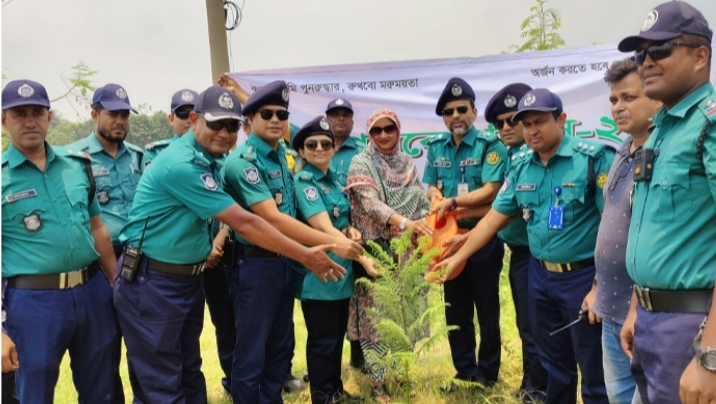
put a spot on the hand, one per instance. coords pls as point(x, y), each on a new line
point(627, 334)
point(229, 83)
point(697, 385)
point(347, 249)
point(369, 267)
point(318, 262)
point(214, 258)
point(588, 302)
point(419, 227)
point(353, 234)
point(454, 243)
point(446, 266)
point(442, 208)
point(9, 355)
point(436, 195)
point(458, 214)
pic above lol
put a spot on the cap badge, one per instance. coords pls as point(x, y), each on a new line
point(187, 96)
point(530, 99)
point(339, 102)
point(225, 101)
point(121, 94)
point(650, 20)
point(510, 101)
point(324, 125)
point(25, 91)
point(456, 90)
point(284, 94)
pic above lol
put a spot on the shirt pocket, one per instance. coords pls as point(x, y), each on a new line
point(572, 198)
point(79, 203)
point(669, 194)
point(528, 200)
point(473, 176)
point(29, 213)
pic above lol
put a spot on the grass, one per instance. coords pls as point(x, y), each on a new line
point(435, 366)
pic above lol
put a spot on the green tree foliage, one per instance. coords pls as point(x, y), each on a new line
point(540, 29)
point(79, 84)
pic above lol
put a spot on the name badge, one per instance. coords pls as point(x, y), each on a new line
point(30, 193)
point(274, 174)
point(462, 188)
point(101, 172)
point(443, 164)
point(556, 218)
point(526, 187)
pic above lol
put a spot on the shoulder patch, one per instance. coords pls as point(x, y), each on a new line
point(493, 158)
point(158, 144)
point(209, 182)
point(602, 180)
point(252, 175)
point(311, 193)
point(589, 148)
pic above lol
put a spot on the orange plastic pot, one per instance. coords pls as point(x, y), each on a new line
point(443, 230)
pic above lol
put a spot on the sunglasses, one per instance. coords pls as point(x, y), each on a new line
point(312, 145)
point(389, 130)
point(659, 52)
point(460, 110)
point(267, 114)
point(231, 126)
point(182, 113)
point(507, 121)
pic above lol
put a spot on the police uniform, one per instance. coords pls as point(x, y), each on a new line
point(341, 161)
point(261, 281)
point(325, 305)
point(161, 310)
point(50, 265)
point(669, 254)
point(479, 158)
point(561, 203)
point(534, 378)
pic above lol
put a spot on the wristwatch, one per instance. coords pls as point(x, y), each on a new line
point(706, 357)
point(402, 223)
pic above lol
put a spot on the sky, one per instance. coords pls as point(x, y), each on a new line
point(156, 47)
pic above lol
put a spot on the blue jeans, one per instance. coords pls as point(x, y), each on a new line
point(621, 387)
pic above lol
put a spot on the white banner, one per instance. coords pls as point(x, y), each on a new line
point(412, 88)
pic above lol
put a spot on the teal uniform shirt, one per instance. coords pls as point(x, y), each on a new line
point(317, 192)
point(529, 190)
point(515, 234)
point(116, 179)
point(480, 158)
point(46, 215)
point(152, 150)
point(255, 172)
point(341, 161)
point(673, 224)
point(179, 194)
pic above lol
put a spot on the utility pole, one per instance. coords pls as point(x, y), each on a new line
point(218, 48)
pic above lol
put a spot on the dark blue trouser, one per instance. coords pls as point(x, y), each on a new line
point(221, 311)
point(477, 287)
point(44, 324)
point(326, 322)
point(554, 301)
point(263, 301)
point(662, 351)
point(534, 376)
point(161, 317)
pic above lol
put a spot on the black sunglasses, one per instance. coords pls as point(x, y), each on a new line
point(460, 110)
point(231, 126)
point(313, 144)
point(389, 130)
point(182, 113)
point(507, 121)
point(659, 52)
point(267, 114)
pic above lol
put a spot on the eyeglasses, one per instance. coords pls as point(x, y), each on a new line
point(267, 114)
point(231, 126)
point(389, 130)
point(507, 121)
point(182, 113)
point(460, 110)
point(659, 52)
point(313, 144)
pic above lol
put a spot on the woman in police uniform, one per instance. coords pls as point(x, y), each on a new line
point(323, 206)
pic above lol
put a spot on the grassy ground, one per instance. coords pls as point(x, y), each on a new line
point(435, 367)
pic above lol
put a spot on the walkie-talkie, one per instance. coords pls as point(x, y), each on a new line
point(132, 257)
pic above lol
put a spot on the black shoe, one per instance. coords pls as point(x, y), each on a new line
point(357, 358)
point(292, 384)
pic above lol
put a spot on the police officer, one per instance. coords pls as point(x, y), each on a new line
point(466, 168)
point(669, 254)
point(182, 104)
point(258, 178)
point(159, 295)
point(339, 113)
point(499, 112)
point(558, 191)
point(115, 163)
point(52, 239)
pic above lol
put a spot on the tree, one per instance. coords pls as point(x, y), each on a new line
point(79, 85)
point(540, 27)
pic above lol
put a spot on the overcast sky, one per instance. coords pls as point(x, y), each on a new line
point(155, 47)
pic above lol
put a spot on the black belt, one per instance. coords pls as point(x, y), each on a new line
point(174, 269)
point(519, 249)
point(255, 251)
point(572, 266)
point(64, 280)
point(674, 301)
point(118, 250)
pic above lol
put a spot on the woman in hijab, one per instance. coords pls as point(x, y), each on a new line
point(387, 198)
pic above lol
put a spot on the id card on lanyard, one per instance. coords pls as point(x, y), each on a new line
point(556, 213)
point(462, 188)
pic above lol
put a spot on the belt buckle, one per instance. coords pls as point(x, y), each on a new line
point(198, 268)
point(69, 280)
point(552, 267)
point(644, 298)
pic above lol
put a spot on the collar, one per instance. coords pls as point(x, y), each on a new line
point(94, 145)
point(191, 139)
point(317, 174)
point(15, 158)
point(349, 142)
point(264, 148)
point(679, 110)
point(468, 139)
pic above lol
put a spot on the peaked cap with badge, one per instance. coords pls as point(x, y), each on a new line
point(455, 89)
point(538, 99)
point(18, 93)
point(274, 93)
point(316, 126)
point(505, 100)
point(217, 103)
point(183, 98)
point(339, 103)
point(112, 97)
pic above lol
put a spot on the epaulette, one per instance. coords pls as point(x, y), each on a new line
point(588, 147)
point(708, 107)
point(157, 144)
point(437, 138)
point(490, 137)
point(249, 154)
point(305, 176)
point(133, 148)
point(200, 160)
point(71, 153)
point(522, 156)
